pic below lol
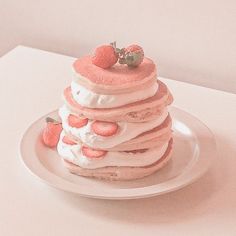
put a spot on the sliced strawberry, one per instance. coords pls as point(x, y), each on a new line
point(67, 140)
point(93, 153)
point(75, 121)
point(104, 128)
point(51, 133)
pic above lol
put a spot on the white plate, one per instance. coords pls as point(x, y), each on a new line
point(194, 150)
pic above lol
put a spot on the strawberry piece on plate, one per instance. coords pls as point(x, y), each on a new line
point(51, 133)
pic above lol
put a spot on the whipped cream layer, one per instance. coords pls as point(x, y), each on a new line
point(90, 99)
point(126, 131)
point(74, 154)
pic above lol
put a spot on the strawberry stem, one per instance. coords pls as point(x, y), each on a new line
point(130, 58)
point(113, 44)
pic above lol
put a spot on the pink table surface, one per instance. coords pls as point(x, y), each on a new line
point(31, 83)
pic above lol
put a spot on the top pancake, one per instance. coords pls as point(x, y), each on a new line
point(117, 79)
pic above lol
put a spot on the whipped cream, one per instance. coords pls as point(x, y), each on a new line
point(90, 99)
point(125, 132)
point(74, 154)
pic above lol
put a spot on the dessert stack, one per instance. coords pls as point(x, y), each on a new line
point(115, 119)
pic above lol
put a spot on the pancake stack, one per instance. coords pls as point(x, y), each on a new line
point(116, 124)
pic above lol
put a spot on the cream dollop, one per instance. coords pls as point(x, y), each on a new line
point(90, 99)
point(126, 130)
point(74, 154)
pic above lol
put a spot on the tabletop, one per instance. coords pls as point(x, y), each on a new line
point(31, 84)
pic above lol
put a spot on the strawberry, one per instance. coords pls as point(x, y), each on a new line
point(75, 121)
point(134, 48)
point(51, 132)
point(67, 140)
point(134, 55)
point(105, 56)
point(104, 128)
point(93, 153)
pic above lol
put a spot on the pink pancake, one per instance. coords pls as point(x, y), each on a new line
point(117, 79)
point(148, 143)
point(152, 138)
point(121, 173)
point(140, 111)
point(160, 130)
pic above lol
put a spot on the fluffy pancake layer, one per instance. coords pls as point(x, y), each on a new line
point(77, 154)
point(126, 133)
point(115, 80)
point(121, 173)
point(140, 111)
point(90, 99)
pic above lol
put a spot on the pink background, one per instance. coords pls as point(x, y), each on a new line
point(191, 40)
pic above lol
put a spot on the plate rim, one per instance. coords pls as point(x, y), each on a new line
point(58, 182)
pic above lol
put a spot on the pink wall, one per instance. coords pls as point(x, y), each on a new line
point(192, 41)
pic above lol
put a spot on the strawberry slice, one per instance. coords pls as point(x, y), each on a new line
point(77, 122)
point(93, 153)
point(104, 128)
point(67, 140)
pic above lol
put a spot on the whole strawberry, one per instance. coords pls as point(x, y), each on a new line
point(134, 55)
point(51, 132)
point(105, 56)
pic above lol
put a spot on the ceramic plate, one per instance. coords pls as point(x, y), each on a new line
point(193, 152)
